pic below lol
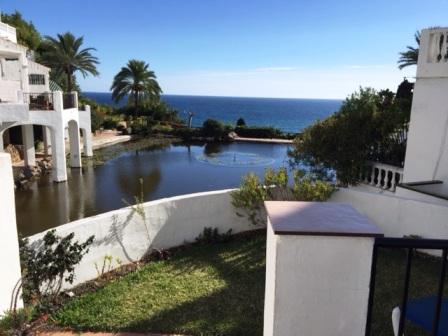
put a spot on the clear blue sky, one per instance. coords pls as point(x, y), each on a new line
point(294, 48)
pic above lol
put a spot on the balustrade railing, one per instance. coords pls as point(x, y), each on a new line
point(39, 101)
point(382, 176)
point(8, 31)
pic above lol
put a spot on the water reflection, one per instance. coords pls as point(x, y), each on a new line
point(166, 172)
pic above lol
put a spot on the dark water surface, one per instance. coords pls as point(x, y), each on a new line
point(174, 170)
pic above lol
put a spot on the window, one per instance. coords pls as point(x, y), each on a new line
point(35, 79)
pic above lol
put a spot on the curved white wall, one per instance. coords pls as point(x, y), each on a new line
point(171, 222)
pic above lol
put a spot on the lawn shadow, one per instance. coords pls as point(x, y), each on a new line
point(236, 309)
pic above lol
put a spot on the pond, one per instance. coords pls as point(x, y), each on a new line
point(176, 169)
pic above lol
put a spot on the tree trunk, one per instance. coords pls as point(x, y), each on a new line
point(69, 81)
point(136, 102)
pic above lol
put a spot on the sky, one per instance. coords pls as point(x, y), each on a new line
point(252, 48)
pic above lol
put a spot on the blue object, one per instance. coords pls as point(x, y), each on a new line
point(421, 312)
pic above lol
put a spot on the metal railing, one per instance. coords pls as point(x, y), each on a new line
point(39, 101)
point(410, 245)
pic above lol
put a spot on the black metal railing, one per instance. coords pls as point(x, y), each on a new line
point(68, 100)
point(39, 101)
point(410, 245)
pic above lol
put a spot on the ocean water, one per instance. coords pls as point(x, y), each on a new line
point(289, 115)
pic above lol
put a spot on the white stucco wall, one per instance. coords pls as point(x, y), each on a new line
point(427, 146)
point(316, 285)
point(10, 264)
point(171, 222)
point(398, 216)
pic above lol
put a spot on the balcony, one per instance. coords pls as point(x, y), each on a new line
point(39, 101)
point(8, 32)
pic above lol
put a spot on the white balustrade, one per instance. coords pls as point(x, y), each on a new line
point(382, 176)
point(8, 32)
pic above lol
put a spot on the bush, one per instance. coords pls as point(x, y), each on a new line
point(258, 132)
point(214, 128)
point(370, 126)
point(96, 120)
point(240, 122)
point(187, 134)
point(46, 266)
point(109, 123)
point(252, 193)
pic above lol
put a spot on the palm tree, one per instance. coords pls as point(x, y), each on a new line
point(136, 81)
point(65, 56)
point(410, 56)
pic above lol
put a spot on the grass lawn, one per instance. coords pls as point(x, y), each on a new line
point(219, 290)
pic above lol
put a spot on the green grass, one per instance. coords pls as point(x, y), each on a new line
point(219, 290)
point(205, 290)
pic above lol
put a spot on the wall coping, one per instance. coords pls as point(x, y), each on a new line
point(79, 222)
point(319, 219)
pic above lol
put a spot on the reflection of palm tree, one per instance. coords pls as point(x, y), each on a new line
point(131, 187)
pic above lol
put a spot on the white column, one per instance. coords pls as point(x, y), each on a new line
point(2, 144)
point(75, 147)
point(8, 235)
point(58, 154)
point(47, 140)
point(86, 125)
point(28, 145)
point(317, 269)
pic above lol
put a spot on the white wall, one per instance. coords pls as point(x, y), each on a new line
point(398, 216)
point(316, 285)
point(427, 147)
point(10, 265)
point(170, 222)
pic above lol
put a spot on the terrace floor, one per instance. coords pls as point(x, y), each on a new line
point(219, 290)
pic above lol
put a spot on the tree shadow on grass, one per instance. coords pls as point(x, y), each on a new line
point(236, 309)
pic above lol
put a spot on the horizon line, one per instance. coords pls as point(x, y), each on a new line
point(224, 96)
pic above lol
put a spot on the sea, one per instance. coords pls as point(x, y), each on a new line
point(287, 114)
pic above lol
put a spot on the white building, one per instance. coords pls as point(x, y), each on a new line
point(26, 100)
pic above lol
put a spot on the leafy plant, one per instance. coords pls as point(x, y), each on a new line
point(370, 126)
point(212, 236)
point(252, 193)
point(240, 122)
point(48, 264)
point(16, 322)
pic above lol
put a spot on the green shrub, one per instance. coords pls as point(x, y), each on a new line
point(240, 122)
point(213, 128)
point(47, 264)
point(187, 134)
point(258, 132)
point(249, 198)
point(109, 123)
point(96, 120)
point(16, 322)
point(370, 126)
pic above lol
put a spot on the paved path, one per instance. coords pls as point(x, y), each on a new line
point(277, 141)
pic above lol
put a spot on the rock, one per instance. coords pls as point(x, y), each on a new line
point(14, 151)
